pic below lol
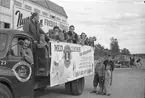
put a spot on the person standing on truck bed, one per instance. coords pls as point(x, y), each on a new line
point(54, 34)
point(82, 38)
point(72, 37)
point(43, 44)
point(43, 54)
point(62, 36)
point(32, 27)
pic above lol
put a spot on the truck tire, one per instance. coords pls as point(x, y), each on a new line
point(68, 87)
point(5, 92)
point(78, 86)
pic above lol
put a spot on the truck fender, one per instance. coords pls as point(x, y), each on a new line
point(7, 83)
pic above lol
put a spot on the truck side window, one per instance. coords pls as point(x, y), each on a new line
point(14, 51)
point(14, 47)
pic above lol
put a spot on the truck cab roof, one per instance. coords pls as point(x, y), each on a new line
point(12, 32)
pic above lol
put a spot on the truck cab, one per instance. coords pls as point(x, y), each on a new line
point(66, 63)
point(15, 73)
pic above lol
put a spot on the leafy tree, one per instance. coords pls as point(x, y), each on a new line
point(125, 51)
point(114, 46)
point(100, 51)
point(99, 46)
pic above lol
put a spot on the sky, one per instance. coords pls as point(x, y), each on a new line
point(121, 19)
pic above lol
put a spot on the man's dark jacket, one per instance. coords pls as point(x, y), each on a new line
point(33, 29)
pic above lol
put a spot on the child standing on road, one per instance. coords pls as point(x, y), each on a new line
point(107, 83)
point(99, 77)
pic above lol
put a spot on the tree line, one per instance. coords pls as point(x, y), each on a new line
point(114, 49)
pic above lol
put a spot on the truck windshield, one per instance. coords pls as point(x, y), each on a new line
point(3, 40)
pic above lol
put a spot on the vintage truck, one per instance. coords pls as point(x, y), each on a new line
point(122, 61)
point(66, 63)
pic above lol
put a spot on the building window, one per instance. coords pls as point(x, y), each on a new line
point(6, 25)
point(5, 3)
point(28, 7)
point(18, 3)
point(52, 16)
point(36, 10)
point(45, 14)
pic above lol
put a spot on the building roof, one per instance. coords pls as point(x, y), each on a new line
point(51, 6)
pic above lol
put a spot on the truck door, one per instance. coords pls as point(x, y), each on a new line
point(22, 81)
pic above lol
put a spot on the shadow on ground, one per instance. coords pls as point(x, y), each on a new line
point(57, 90)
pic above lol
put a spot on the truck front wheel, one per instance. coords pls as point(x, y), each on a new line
point(68, 87)
point(5, 92)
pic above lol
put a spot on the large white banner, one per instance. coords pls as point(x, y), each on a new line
point(70, 62)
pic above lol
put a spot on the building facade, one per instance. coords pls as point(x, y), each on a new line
point(15, 13)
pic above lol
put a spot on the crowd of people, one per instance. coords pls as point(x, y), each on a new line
point(56, 34)
point(41, 38)
point(103, 71)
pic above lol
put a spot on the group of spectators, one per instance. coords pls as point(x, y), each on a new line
point(71, 37)
point(103, 76)
point(135, 62)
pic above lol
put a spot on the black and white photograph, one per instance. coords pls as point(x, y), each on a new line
point(72, 48)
